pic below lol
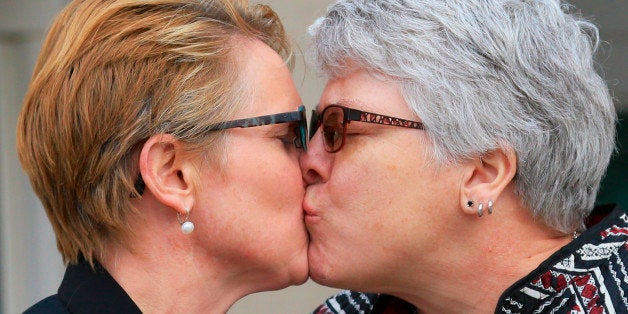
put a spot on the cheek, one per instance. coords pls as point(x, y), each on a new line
point(376, 193)
point(275, 194)
point(256, 190)
point(277, 181)
point(275, 227)
point(261, 220)
point(366, 183)
point(357, 201)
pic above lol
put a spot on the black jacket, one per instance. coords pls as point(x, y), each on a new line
point(86, 290)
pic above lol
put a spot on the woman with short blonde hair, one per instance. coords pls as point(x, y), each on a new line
point(135, 135)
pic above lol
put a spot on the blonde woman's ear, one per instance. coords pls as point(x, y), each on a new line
point(167, 172)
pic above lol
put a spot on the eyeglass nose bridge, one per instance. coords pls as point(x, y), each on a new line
point(314, 124)
point(301, 139)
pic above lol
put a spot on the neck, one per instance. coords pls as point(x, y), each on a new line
point(163, 270)
point(184, 284)
point(479, 260)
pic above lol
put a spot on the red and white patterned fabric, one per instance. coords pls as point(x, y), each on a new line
point(589, 275)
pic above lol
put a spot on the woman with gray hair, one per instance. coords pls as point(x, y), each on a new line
point(455, 158)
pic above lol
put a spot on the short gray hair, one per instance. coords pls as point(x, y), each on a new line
point(489, 74)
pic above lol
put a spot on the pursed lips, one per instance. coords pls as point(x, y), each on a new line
point(311, 214)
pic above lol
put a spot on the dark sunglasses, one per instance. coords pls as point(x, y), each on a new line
point(334, 120)
point(300, 140)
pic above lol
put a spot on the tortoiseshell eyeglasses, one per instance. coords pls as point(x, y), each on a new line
point(299, 141)
point(334, 120)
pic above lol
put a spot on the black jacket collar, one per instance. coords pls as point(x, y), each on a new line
point(87, 290)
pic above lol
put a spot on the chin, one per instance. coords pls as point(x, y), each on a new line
point(299, 269)
point(301, 277)
point(282, 276)
point(324, 277)
point(320, 271)
point(291, 277)
point(293, 270)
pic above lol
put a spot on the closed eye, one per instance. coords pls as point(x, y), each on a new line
point(287, 134)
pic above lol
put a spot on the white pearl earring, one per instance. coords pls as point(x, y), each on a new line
point(186, 225)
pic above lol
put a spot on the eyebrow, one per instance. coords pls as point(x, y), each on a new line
point(353, 104)
point(342, 102)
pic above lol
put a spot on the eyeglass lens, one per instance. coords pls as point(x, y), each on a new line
point(333, 128)
point(301, 130)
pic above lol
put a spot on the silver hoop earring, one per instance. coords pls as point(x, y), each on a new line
point(480, 208)
point(490, 207)
point(186, 225)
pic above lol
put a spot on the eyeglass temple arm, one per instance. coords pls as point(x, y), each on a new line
point(259, 121)
point(369, 117)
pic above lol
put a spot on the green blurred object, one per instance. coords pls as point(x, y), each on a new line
point(614, 187)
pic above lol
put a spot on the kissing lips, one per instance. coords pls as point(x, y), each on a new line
point(311, 214)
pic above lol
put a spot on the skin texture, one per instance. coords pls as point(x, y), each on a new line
point(256, 197)
point(355, 195)
point(384, 217)
point(253, 202)
point(249, 233)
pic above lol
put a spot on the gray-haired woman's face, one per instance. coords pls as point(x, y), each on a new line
point(378, 205)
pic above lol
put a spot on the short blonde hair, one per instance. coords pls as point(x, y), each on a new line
point(112, 73)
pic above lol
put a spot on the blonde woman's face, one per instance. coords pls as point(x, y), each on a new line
point(252, 210)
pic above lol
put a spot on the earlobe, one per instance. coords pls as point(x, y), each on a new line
point(485, 180)
point(166, 172)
